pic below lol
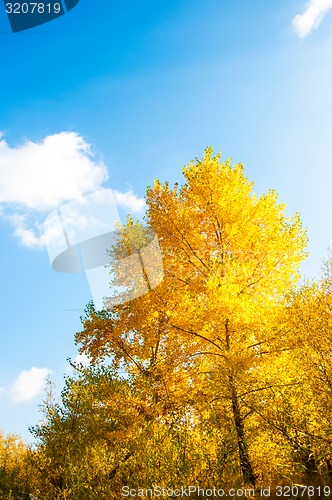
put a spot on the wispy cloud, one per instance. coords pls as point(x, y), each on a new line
point(315, 11)
point(37, 177)
point(28, 384)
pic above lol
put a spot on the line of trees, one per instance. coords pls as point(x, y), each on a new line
point(219, 376)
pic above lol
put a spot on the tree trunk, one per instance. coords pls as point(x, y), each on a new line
point(246, 467)
point(245, 464)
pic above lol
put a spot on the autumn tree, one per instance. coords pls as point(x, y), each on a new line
point(86, 436)
point(102, 435)
point(308, 406)
point(196, 342)
point(16, 479)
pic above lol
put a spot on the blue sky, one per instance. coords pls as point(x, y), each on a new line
point(145, 87)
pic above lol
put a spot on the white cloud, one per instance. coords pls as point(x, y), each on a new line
point(28, 230)
point(41, 176)
point(129, 201)
point(37, 177)
point(315, 11)
point(29, 384)
point(82, 359)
